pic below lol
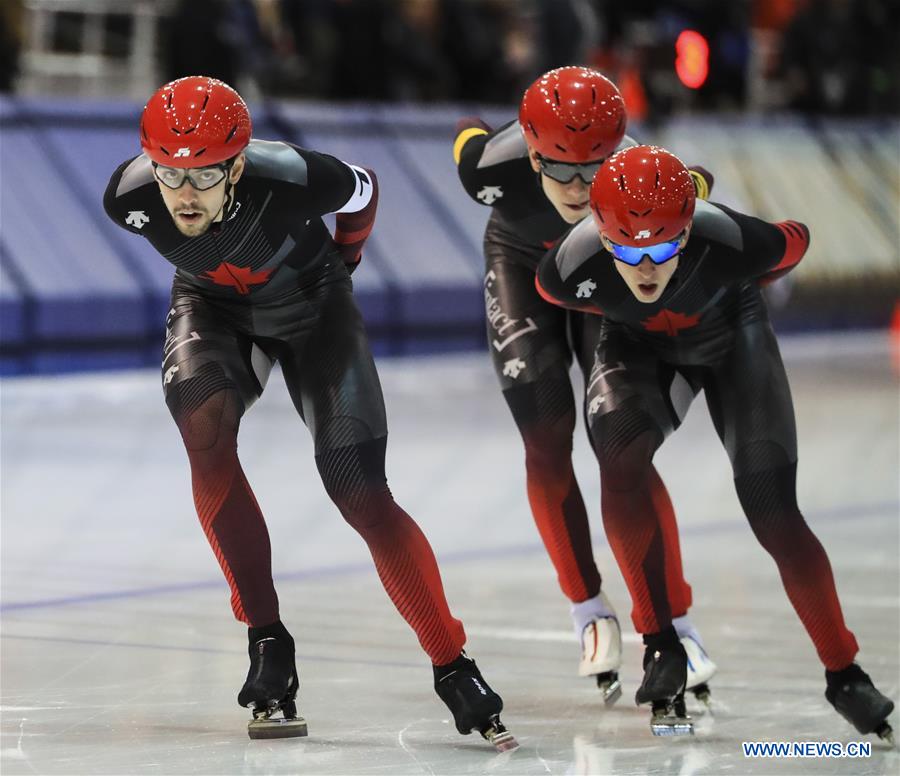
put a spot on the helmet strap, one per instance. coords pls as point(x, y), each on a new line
point(228, 202)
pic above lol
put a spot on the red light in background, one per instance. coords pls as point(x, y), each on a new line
point(691, 58)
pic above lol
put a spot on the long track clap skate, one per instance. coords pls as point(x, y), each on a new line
point(474, 705)
point(271, 688)
point(857, 700)
point(665, 676)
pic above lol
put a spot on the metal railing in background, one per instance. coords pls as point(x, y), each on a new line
point(91, 48)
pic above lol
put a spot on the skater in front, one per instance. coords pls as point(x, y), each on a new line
point(259, 278)
point(677, 282)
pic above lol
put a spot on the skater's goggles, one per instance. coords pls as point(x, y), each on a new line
point(201, 178)
point(564, 172)
point(659, 253)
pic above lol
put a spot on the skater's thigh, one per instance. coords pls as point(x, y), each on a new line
point(331, 375)
point(750, 402)
point(527, 336)
point(530, 350)
point(630, 387)
point(205, 353)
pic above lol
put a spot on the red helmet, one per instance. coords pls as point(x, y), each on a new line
point(642, 196)
point(573, 114)
point(194, 122)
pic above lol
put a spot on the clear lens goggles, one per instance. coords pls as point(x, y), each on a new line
point(563, 172)
point(659, 253)
point(201, 178)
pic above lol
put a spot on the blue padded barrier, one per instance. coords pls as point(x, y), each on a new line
point(12, 307)
point(78, 292)
point(426, 263)
point(80, 286)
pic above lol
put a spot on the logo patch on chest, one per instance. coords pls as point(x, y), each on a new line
point(239, 278)
point(669, 322)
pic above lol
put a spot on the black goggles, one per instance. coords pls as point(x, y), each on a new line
point(201, 178)
point(565, 172)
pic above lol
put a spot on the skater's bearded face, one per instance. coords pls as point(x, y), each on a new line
point(194, 204)
point(647, 280)
point(572, 200)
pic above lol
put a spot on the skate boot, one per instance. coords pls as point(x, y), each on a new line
point(601, 645)
point(700, 667)
point(475, 706)
point(272, 684)
point(855, 698)
point(665, 676)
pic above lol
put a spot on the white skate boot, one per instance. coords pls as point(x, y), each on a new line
point(700, 668)
point(597, 626)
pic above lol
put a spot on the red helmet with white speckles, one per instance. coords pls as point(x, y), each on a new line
point(194, 122)
point(573, 115)
point(642, 195)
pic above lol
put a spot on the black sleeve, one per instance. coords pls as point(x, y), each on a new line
point(111, 203)
point(766, 248)
point(572, 293)
point(472, 179)
point(330, 181)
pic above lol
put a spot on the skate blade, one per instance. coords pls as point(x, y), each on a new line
point(497, 734)
point(612, 691)
point(266, 727)
point(610, 686)
point(702, 693)
point(503, 741)
point(886, 733)
point(670, 725)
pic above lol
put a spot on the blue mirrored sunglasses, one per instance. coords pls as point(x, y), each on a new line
point(659, 253)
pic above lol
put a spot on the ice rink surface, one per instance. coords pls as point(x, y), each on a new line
point(120, 654)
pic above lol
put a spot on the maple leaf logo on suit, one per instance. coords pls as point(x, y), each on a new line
point(239, 278)
point(670, 322)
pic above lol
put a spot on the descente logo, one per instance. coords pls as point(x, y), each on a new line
point(182, 152)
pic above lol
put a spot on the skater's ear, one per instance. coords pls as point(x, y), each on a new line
point(237, 169)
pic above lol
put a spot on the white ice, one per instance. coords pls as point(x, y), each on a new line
point(120, 655)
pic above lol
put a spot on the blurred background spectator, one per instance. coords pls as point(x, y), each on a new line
point(814, 56)
point(704, 77)
point(11, 33)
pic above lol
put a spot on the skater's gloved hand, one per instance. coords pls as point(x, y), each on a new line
point(703, 180)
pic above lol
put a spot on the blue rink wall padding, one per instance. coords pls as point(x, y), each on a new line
point(78, 292)
point(12, 306)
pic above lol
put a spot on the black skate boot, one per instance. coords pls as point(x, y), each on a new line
point(665, 677)
point(855, 698)
point(272, 684)
point(474, 704)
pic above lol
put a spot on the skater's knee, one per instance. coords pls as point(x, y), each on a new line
point(543, 409)
point(211, 423)
point(769, 500)
point(547, 448)
point(353, 477)
point(768, 495)
point(625, 441)
point(626, 466)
